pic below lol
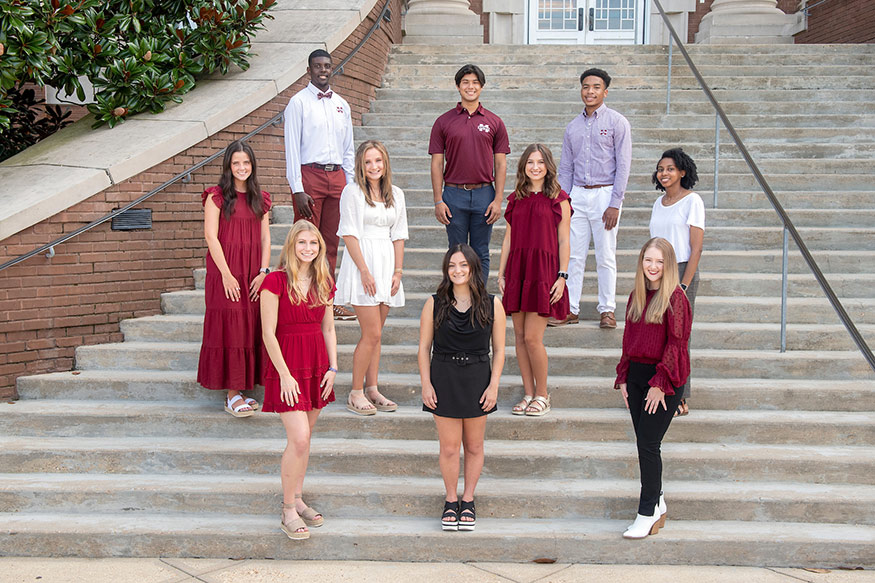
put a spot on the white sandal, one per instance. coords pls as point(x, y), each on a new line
point(520, 408)
point(539, 407)
point(241, 409)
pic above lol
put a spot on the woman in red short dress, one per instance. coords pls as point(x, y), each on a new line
point(298, 332)
point(237, 231)
point(533, 268)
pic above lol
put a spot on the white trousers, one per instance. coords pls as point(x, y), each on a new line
point(586, 223)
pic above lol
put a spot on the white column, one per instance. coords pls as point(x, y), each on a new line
point(507, 23)
point(678, 12)
point(441, 22)
point(747, 21)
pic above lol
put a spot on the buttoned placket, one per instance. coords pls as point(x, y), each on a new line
point(329, 121)
point(589, 121)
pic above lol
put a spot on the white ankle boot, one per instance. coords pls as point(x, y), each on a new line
point(644, 525)
point(663, 510)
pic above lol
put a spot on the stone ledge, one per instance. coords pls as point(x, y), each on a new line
point(52, 176)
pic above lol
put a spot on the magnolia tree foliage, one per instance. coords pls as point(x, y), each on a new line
point(138, 54)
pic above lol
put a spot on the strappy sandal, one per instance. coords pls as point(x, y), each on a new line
point(252, 403)
point(539, 407)
point(383, 404)
point(683, 409)
point(241, 409)
point(359, 410)
point(450, 517)
point(520, 408)
point(310, 516)
point(467, 511)
point(293, 529)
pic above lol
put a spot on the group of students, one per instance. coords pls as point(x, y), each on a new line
point(280, 331)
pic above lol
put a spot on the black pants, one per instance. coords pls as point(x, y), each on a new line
point(649, 431)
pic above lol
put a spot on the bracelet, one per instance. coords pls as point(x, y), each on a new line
point(438, 202)
point(399, 270)
point(332, 369)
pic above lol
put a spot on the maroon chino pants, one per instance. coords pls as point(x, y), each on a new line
point(325, 188)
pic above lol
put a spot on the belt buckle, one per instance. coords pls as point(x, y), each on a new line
point(461, 357)
point(330, 167)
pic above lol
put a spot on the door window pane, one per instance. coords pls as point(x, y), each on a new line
point(557, 14)
point(614, 15)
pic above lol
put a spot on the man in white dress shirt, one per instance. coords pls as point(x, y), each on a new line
point(320, 156)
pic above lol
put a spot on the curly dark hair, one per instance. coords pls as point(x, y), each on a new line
point(481, 301)
point(682, 162)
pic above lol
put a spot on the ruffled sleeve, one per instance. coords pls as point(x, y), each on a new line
point(623, 365)
point(275, 283)
point(266, 198)
point(352, 214)
point(557, 206)
point(398, 230)
point(215, 193)
point(674, 367)
point(508, 210)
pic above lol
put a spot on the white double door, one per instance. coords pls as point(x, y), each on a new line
point(585, 21)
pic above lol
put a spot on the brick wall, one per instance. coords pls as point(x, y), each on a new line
point(703, 8)
point(101, 277)
point(840, 21)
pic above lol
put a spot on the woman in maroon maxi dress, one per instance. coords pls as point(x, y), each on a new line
point(533, 269)
point(237, 231)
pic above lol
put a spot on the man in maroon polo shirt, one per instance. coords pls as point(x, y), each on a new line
point(469, 148)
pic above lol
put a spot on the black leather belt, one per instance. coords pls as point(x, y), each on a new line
point(461, 358)
point(326, 167)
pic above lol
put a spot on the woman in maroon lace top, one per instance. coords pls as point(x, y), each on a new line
point(654, 363)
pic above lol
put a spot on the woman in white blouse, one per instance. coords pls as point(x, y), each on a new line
point(679, 216)
point(373, 224)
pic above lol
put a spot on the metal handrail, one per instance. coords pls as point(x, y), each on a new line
point(49, 248)
point(789, 227)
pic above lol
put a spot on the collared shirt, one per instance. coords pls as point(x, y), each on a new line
point(317, 131)
point(597, 149)
point(469, 143)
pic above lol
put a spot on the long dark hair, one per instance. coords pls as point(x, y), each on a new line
point(551, 182)
point(481, 302)
point(253, 191)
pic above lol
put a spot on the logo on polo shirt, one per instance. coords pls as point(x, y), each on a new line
point(339, 109)
point(483, 127)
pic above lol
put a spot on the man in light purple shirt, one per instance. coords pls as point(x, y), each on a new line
point(594, 170)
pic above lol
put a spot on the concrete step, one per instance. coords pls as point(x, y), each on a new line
point(423, 215)
point(667, 136)
point(564, 361)
point(350, 497)
point(731, 335)
point(718, 393)
point(105, 419)
point(656, 119)
point(809, 310)
point(417, 539)
point(637, 80)
point(633, 234)
point(573, 460)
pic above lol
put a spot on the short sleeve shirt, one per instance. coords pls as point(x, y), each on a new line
point(673, 222)
point(469, 143)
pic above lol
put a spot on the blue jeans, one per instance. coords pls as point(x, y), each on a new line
point(468, 224)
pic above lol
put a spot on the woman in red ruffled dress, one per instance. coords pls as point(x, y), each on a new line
point(237, 230)
point(533, 268)
point(297, 322)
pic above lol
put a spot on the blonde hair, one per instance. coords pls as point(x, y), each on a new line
point(523, 186)
point(385, 180)
point(320, 278)
point(661, 302)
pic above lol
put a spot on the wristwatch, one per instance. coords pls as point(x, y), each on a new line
point(683, 287)
point(563, 275)
point(264, 270)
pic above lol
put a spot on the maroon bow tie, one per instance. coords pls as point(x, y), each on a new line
point(326, 95)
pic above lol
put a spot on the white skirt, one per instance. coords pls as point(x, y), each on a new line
point(379, 255)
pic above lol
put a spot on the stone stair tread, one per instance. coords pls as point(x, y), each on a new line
point(129, 409)
point(855, 454)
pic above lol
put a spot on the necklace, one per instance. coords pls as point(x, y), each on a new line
point(463, 304)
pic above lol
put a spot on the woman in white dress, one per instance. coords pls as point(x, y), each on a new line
point(679, 216)
point(373, 224)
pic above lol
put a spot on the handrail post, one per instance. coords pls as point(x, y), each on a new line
point(784, 269)
point(716, 155)
point(668, 89)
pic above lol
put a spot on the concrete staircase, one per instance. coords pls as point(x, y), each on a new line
point(127, 456)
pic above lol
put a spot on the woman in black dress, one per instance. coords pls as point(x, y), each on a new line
point(459, 387)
